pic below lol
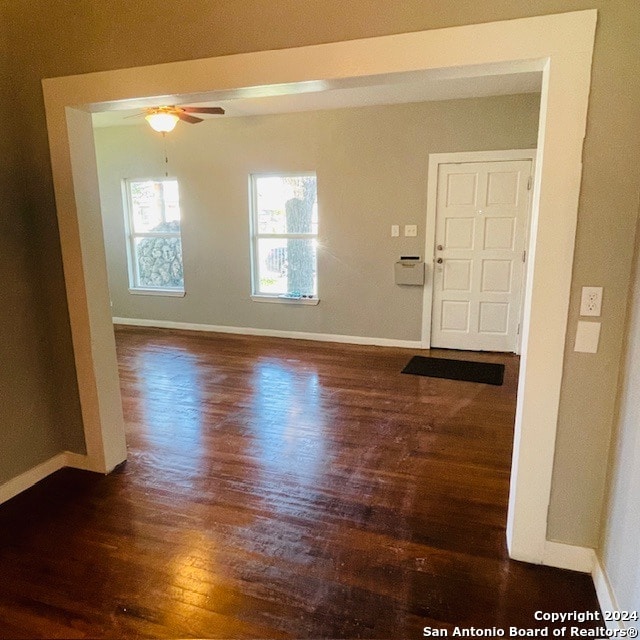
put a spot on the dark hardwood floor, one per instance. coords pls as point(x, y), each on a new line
point(280, 489)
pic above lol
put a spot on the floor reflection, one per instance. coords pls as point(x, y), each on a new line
point(170, 384)
point(288, 420)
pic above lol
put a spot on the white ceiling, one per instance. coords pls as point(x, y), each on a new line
point(413, 87)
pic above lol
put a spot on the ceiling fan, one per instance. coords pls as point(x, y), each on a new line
point(163, 119)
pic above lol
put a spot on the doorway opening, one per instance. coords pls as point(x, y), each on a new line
point(559, 46)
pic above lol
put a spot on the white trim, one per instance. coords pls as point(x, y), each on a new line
point(435, 160)
point(27, 479)
point(559, 45)
point(495, 155)
point(556, 190)
point(81, 461)
point(285, 300)
point(272, 333)
point(567, 556)
point(606, 596)
point(172, 293)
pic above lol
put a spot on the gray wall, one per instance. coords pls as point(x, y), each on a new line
point(371, 165)
point(63, 38)
point(31, 427)
point(620, 551)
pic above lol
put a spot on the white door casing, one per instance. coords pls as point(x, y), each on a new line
point(480, 237)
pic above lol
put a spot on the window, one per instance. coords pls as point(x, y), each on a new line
point(154, 243)
point(284, 223)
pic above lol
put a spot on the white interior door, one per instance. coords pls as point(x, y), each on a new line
point(482, 214)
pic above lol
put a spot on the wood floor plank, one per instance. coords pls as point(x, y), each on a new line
point(280, 489)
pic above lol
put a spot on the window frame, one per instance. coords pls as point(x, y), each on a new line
point(131, 235)
point(256, 295)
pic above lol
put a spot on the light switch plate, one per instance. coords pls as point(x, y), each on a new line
point(587, 337)
point(410, 230)
point(395, 230)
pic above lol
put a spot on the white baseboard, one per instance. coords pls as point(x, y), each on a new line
point(567, 556)
point(271, 333)
point(605, 593)
point(585, 560)
point(25, 480)
point(81, 461)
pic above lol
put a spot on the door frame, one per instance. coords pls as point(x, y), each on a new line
point(558, 45)
point(435, 160)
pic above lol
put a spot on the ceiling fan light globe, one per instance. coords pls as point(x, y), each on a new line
point(162, 122)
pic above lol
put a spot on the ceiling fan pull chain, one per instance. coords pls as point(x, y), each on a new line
point(166, 156)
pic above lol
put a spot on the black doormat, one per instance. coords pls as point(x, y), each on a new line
point(486, 372)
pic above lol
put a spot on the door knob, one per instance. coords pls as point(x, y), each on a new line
point(439, 247)
point(439, 260)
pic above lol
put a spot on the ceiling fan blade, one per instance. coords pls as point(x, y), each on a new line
point(211, 110)
point(187, 118)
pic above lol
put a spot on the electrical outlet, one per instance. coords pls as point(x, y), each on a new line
point(410, 230)
point(591, 301)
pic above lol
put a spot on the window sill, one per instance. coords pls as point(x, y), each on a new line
point(279, 300)
point(172, 293)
